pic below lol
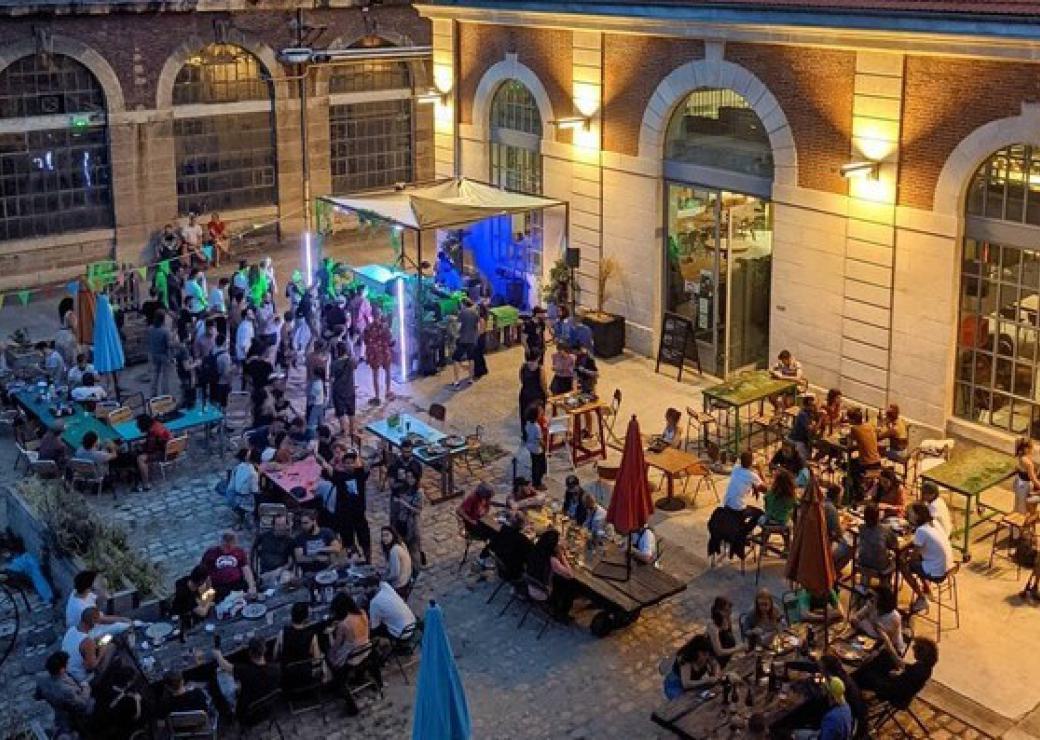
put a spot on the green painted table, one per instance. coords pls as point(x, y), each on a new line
point(188, 419)
point(970, 473)
point(75, 426)
point(743, 391)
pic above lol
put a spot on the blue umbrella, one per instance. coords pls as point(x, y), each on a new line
point(441, 712)
point(108, 348)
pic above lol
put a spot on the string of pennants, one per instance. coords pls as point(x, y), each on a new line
point(99, 276)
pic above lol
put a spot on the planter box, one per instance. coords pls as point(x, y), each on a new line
point(608, 334)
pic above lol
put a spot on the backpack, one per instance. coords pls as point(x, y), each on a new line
point(208, 371)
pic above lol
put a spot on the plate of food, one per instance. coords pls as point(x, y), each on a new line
point(254, 610)
point(326, 577)
point(453, 440)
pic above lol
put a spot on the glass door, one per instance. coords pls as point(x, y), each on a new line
point(718, 266)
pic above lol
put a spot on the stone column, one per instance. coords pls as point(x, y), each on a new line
point(444, 113)
point(586, 195)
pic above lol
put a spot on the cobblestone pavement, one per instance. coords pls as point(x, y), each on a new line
point(566, 685)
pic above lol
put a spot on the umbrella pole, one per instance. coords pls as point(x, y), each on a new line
point(115, 383)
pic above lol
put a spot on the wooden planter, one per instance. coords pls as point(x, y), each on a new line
point(608, 333)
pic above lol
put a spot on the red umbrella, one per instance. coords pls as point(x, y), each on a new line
point(630, 505)
point(809, 562)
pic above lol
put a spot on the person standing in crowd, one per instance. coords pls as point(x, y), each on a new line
point(585, 369)
point(360, 317)
point(344, 393)
point(378, 354)
point(220, 389)
point(240, 281)
point(244, 336)
point(480, 368)
point(195, 292)
point(533, 334)
point(465, 345)
point(158, 342)
point(563, 370)
point(535, 442)
point(350, 481)
point(532, 386)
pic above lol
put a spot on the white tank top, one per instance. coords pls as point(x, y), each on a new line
point(70, 644)
point(76, 606)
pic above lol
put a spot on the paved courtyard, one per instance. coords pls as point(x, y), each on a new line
point(568, 684)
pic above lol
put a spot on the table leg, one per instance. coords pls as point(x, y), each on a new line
point(670, 503)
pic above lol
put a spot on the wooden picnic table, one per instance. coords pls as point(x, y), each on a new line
point(673, 463)
point(970, 472)
point(580, 408)
point(430, 447)
point(743, 391)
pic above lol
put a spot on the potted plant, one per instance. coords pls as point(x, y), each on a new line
point(608, 329)
point(558, 289)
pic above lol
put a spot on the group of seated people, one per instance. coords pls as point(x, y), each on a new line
point(889, 675)
point(193, 244)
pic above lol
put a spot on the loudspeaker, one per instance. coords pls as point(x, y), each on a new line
point(573, 257)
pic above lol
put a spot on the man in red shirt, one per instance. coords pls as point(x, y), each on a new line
point(472, 510)
point(155, 438)
point(228, 567)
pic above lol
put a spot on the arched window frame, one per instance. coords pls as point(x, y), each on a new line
point(55, 171)
point(224, 131)
point(515, 138)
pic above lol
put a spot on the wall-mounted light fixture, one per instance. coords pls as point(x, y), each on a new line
point(573, 122)
point(859, 170)
point(433, 96)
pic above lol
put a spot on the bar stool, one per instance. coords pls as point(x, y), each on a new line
point(944, 595)
point(1017, 525)
point(763, 539)
point(698, 428)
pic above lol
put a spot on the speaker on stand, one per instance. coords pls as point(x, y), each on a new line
point(572, 258)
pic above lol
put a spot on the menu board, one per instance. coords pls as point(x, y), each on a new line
point(677, 346)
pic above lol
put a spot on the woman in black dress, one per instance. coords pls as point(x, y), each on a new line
point(532, 385)
point(480, 368)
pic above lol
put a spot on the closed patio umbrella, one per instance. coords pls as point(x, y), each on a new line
point(86, 307)
point(809, 562)
point(631, 504)
point(108, 348)
point(441, 711)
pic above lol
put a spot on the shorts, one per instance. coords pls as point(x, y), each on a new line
point(917, 568)
point(463, 351)
point(345, 406)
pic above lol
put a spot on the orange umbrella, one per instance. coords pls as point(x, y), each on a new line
point(809, 562)
point(631, 505)
point(86, 306)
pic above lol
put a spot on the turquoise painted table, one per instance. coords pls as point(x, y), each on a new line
point(189, 419)
point(75, 426)
point(443, 460)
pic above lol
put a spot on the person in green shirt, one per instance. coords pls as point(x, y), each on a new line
point(780, 502)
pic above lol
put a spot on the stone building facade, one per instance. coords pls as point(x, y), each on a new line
point(119, 117)
point(885, 281)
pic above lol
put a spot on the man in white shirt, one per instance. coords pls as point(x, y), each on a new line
point(244, 483)
point(78, 371)
point(388, 613)
point(244, 335)
point(595, 516)
point(744, 481)
point(644, 545)
point(191, 235)
point(85, 597)
point(89, 391)
point(195, 292)
point(931, 559)
point(937, 506)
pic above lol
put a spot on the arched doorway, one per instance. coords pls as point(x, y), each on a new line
point(55, 175)
point(718, 222)
point(371, 129)
point(516, 164)
point(223, 132)
point(998, 342)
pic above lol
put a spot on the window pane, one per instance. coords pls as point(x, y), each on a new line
point(371, 145)
point(514, 108)
point(225, 162)
point(48, 84)
point(369, 75)
point(717, 128)
point(220, 73)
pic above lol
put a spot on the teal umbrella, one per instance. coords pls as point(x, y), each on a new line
point(108, 348)
point(441, 712)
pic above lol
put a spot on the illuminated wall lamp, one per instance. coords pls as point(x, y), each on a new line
point(433, 96)
point(573, 123)
point(861, 170)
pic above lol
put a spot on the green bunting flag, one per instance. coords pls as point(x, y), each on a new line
point(143, 272)
point(23, 296)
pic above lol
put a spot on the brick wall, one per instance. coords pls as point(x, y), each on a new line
point(814, 88)
point(944, 101)
point(634, 66)
point(546, 52)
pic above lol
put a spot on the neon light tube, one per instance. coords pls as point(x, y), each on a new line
point(401, 329)
point(307, 258)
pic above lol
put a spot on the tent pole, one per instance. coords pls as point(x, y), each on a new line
point(566, 246)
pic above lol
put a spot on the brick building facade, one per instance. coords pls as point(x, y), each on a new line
point(170, 77)
point(866, 274)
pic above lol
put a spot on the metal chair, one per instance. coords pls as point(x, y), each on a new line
point(359, 665)
point(86, 472)
point(944, 596)
point(302, 682)
point(762, 540)
point(174, 452)
point(503, 578)
point(135, 402)
point(404, 646)
point(262, 709)
point(193, 724)
point(26, 454)
point(119, 415)
point(535, 600)
point(103, 409)
point(267, 513)
point(160, 405)
point(474, 445)
point(611, 413)
point(560, 426)
point(45, 469)
point(9, 418)
point(467, 536)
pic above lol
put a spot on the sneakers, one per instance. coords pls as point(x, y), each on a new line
point(920, 605)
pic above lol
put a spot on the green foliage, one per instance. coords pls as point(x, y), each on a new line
point(74, 529)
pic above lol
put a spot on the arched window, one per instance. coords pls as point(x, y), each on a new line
point(54, 164)
point(371, 130)
point(225, 153)
point(516, 139)
point(717, 128)
point(998, 345)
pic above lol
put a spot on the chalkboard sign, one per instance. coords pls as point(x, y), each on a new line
point(677, 346)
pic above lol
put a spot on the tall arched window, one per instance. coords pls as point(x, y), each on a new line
point(998, 344)
point(516, 139)
point(223, 131)
point(54, 165)
point(371, 131)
